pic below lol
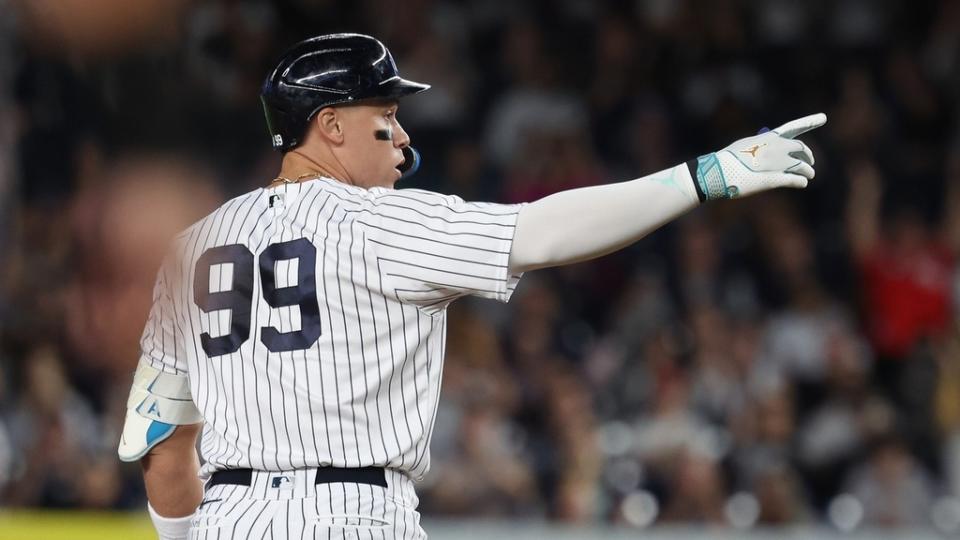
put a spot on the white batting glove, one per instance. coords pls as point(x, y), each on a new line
point(766, 161)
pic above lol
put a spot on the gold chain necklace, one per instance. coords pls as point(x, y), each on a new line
point(285, 180)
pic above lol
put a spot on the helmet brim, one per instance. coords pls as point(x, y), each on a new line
point(398, 87)
point(394, 88)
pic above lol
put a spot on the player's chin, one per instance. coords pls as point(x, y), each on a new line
point(388, 179)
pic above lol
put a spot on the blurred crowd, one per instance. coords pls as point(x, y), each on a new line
point(790, 358)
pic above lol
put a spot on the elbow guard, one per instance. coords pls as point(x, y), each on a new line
point(158, 403)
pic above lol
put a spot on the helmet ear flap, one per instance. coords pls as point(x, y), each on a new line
point(286, 130)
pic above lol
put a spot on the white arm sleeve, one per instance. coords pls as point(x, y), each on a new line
point(582, 224)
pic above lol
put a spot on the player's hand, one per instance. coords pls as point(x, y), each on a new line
point(769, 160)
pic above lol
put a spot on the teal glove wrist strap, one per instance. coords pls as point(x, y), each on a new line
point(709, 180)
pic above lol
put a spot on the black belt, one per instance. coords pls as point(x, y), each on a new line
point(375, 476)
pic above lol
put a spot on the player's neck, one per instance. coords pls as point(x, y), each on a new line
point(299, 166)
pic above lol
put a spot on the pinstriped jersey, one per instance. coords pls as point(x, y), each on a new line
point(311, 320)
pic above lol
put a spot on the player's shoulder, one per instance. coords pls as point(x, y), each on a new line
point(376, 196)
point(181, 250)
point(338, 192)
point(415, 196)
point(438, 204)
point(228, 208)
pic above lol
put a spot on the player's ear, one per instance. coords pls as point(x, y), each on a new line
point(330, 124)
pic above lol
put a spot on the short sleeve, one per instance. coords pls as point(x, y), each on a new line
point(435, 248)
point(161, 345)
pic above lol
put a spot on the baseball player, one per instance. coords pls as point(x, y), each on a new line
point(302, 325)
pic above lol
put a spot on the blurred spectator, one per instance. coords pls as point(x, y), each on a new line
point(477, 446)
point(798, 335)
point(894, 490)
point(526, 115)
point(571, 424)
point(942, 51)
point(719, 380)
point(9, 131)
point(487, 474)
point(905, 269)
point(859, 22)
point(947, 400)
point(696, 491)
point(763, 433)
point(55, 434)
point(836, 432)
point(782, 499)
point(228, 47)
point(440, 59)
point(859, 120)
point(548, 162)
point(704, 277)
point(671, 427)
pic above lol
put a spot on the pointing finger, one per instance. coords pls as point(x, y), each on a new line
point(801, 125)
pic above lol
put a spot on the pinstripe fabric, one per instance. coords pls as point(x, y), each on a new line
point(302, 509)
point(388, 263)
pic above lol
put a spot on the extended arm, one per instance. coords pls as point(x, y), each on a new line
point(582, 224)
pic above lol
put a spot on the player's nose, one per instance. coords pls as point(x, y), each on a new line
point(401, 139)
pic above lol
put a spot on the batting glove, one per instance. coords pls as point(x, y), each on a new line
point(769, 160)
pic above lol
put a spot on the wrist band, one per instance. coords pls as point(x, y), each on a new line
point(692, 167)
point(708, 179)
point(170, 528)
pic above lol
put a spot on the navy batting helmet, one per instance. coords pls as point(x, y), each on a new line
point(327, 70)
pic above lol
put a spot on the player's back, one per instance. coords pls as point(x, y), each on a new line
point(292, 362)
point(311, 317)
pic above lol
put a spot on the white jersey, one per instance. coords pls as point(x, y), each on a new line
point(311, 319)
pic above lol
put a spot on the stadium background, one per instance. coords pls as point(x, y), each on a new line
point(790, 360)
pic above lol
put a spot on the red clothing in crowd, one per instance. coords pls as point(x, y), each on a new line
point(907, 297)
